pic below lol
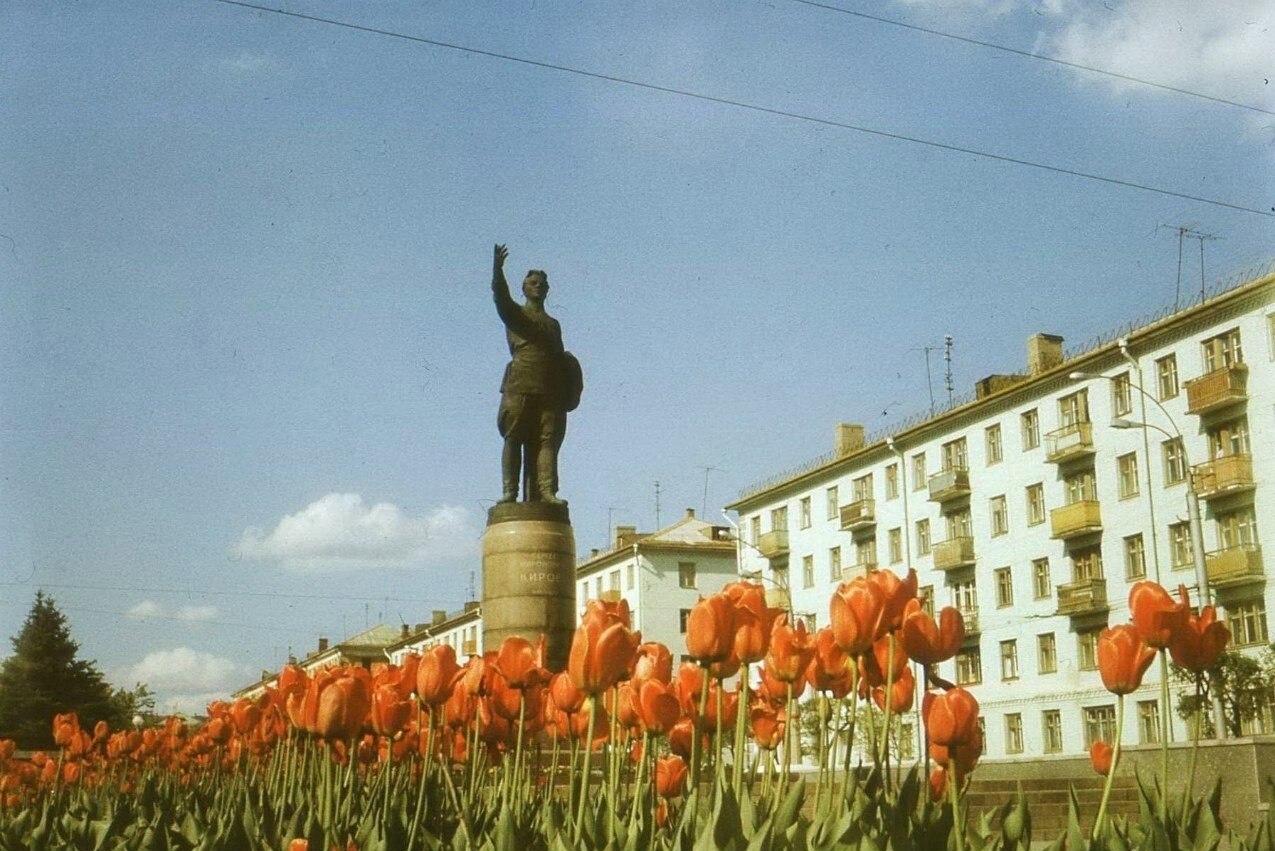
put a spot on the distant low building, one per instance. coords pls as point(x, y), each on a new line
point(365, 649)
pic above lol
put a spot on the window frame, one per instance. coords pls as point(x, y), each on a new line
point(993, 445)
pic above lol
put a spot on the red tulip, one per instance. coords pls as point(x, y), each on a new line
point(938, 785)
point(658, 708)
point(564, 695)
point(767, 725)
point(670, 776)
point(1123, 657)
point(902, 691)
point(654, 662)
point(754, 620)
point(829, 669)
point(521, 663)
point(927, 642)
point(688, 684)
point(951, 718)
point(681, 737)
point(895, 594)
point(855, 609)
point(1201, 641)
point(1100, 755)
point(436, 674)
point(962, 757)
point(344, 704)
point(603, 652)
point(790, 652)
point(710, 629)
point(1155, 614)
point(245, 715)
point(389, 710)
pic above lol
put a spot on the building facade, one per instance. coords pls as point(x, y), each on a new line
point(1036, 505)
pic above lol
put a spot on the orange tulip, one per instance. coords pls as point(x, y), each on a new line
point(926, 641)
point(564, 695)
point(1155, 614)
point(902, 691)
point(829, 669)
point(343, 705)
point(895, 594)
point(436, 674)
point(65, 726)
point(856, 608)
point(670, 776)
point(879, 660)
point(603, 652)
point(710, 629)
point(730, 707)
point(245, 715)
point(681, 737)
point(521, 663)
point(609, 613)
point(754, 620)
point(654, 662)
point(1100, 755)
point(962, 757)
point(1201, 640)
point(688, 685)
point(938, 785)
point(389, 710)
point(1123, 657)
point(299, 845)
point(951, 718)
point(790, 652)
point(767, 725)
point(658, 708)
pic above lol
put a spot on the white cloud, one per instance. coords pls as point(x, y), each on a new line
point(341, 531)
point(1219, 49)
point(184, 680)
point(149, 609)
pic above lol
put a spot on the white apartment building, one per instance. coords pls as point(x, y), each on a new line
point(462, 630)
point(661, 574)
point(1034, 506)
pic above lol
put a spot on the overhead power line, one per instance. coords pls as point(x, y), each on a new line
point(1031, 55)
point(204, 592)
point(826, 122)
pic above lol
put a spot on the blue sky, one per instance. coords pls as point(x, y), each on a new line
point(248, 358)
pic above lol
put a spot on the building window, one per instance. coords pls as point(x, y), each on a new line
point(926, 594)
point(1009, 659)
point(959, 524)
point(686, 574)
point(683, 615)
point(965, 596)
point(1174, 461)
point(863, 488)
point(1073, 409)
point(1086, 564)
point(1046, 653)
point(1087, 649)
point(804, 512)
point(834, 564)
point(807, 571)
point(955, 456)
point(597, 587)
point(1014, 733)
point(969, 667)
point(1035, 504)
point(1051, 728)
point(1149, 722)
point(1247, 622)
point(1081, 487)
point(1121, 395)
point(907, 741)
point(1237, 528)
point(992, 442)
point(895, 538)
point(754, 529)
point(1180, 550)
point(918, 472)
point(1229, 438)
point(1004, 587)
point(999, 515)
point(613, 581)
point(1031, 429)
point(923, 537)
point(892, 481)
point(1135, 557)
point(834, 508)
point(1042, 586)
point(1166, 376)
point(630, 577)
point(1222, 351)
point(866, 553)
point(779, 519)
point(1127, 467)
point(1100, 724)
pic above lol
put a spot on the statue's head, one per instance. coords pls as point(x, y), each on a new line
point(536, 284)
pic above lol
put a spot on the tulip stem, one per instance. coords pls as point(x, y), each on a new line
point(741, 712)
point(424, 780)
point(1111, 775)
point(823, 746)
point(592, 700)
point(888, 700)
point(854, 715)
point(1164, 731)
point(1189, 791)
point(954, 794)
point(697, 738)
point(637, 783)
point(788, 716)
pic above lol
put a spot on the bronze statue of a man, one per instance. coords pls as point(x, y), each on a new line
point(542, 383)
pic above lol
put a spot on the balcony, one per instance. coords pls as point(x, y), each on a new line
point(1234, 565)
point(1087, 597)
point(949, 484)
point(1227, 475)
point(954, 554)
point(469, 647)
point(774, 545)
point(1069, 443)
point(970, 618)
point(1072, 521)
point(861, 514)
point(863, 568)
point(1217, 389)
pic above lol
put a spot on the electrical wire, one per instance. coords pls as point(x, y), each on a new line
point(1030, 55)
point(204, 592)
point(756, 108)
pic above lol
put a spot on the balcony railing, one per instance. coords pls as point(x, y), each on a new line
point(1217, 389)
point(861, 514)
point(1234, 565)
point(1226, 475)
point(862, 568)
point(954, 553)
point(949, 484)
point(1079, 518)
point(1089, 596)
point(1069, 442)
point(970, 618)
point(773, 545)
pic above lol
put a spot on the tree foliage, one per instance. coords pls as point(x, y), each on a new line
point(44, 677)
point(1245, 684)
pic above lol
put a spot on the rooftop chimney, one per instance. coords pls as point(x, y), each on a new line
point(405, 631)
point(1044, 351)
point(438, 616)
point(849, 438)
point(994, 384)
point(420, 627)
point(690, 513)
point(471, 605)
point(624, 535)
point(323, 644)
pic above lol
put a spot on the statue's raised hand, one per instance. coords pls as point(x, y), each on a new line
point(498, 257)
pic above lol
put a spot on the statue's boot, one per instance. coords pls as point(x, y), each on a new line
point(547, 478)
point(510, 461)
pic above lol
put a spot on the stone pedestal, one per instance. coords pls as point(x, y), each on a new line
point(529, 555)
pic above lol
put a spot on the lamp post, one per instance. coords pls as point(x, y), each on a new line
point(758, 575)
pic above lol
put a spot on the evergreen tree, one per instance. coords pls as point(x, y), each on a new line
point(44, 677)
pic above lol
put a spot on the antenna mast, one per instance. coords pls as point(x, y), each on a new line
point(657, 505)
point(947, 356)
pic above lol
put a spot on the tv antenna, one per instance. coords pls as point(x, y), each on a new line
point(1186, 232)
point(657, 504)
point(704, 510)
point(947, 356)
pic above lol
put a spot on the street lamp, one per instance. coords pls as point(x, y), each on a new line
point(757, 575)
